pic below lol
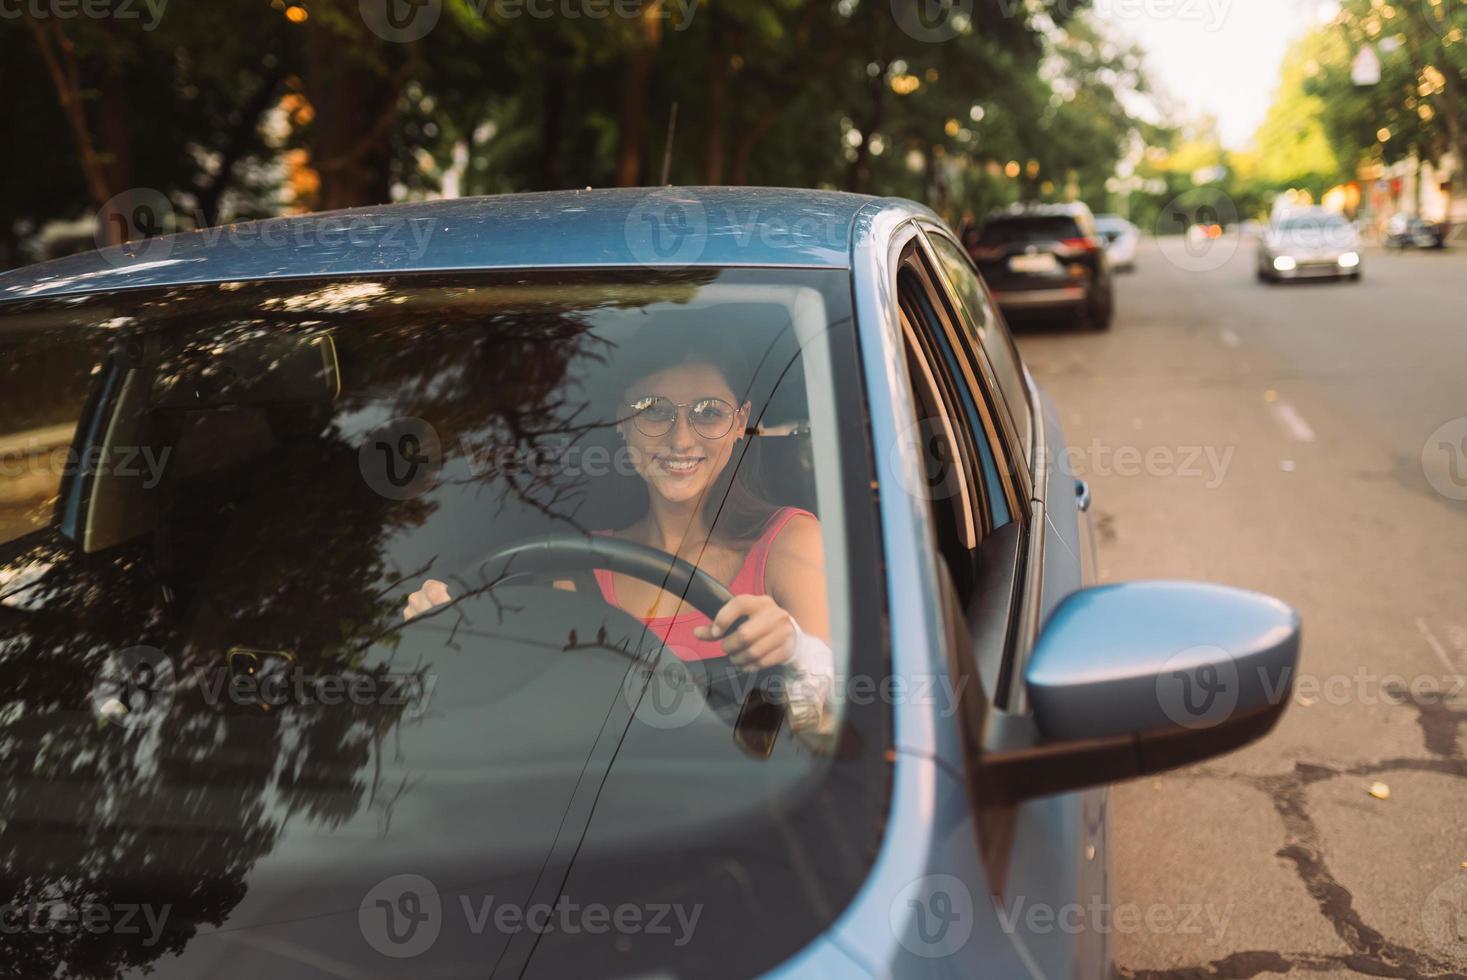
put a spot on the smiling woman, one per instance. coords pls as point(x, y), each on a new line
point(683, 421)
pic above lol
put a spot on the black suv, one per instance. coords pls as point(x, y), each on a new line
point(1047, 258)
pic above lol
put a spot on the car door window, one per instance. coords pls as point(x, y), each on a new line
point(987, 575)
point(947, 479)
point(46, 376)
point(985, 331)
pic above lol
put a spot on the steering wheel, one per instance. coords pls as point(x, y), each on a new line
point(568, 554)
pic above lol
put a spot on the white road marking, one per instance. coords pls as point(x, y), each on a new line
point(1292, 422)
point(1436, 646)
point(1229, 338)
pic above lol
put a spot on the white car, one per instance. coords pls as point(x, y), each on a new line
point(1121, 238)
point(1309, 244)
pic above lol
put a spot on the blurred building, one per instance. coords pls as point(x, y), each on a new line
point(1416, 188)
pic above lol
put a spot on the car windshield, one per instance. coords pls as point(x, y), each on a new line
point(1033, 228)
point(215, 698)
point(1111, 224)
point(1332, 224)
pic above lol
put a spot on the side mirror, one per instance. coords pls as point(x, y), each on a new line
point(1128, 680)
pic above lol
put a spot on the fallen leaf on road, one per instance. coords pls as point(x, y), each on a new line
point(1380, 791)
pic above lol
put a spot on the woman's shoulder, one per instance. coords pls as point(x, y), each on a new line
point(792, 531)
point(791, 550)
point(786, 517)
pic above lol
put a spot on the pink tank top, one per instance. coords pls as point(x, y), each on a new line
point(677, 631)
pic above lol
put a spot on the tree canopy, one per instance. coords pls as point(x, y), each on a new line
point(246, 108)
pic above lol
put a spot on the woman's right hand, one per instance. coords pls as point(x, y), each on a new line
point(433, 593)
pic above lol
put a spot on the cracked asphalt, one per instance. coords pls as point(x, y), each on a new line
point(1308, 440)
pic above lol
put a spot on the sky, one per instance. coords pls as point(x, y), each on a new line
point(1216, 56)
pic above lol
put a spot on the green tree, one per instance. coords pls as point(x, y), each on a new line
point(1419, 106)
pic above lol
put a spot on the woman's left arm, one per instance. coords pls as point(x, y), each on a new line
point(789, 626)
point(795, 575)
point(773, 623)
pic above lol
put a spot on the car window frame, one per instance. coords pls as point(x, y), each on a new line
point(996, 635)
point(1011, 436)
point(943, 391)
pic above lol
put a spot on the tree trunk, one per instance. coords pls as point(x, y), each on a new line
point(714, 107)
point(549, 174)
point(354, 108)
point(750, 139)
point(59, 54)
point(638, 82)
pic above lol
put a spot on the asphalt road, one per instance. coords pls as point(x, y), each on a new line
point(1287, 439)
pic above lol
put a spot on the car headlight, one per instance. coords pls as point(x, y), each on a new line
point(1349, 260)
point(1285, 263)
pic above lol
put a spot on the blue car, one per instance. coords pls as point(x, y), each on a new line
point(674, 582)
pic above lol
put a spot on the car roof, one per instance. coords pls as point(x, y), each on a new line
point(608, 228)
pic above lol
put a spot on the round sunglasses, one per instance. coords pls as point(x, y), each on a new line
point(655, 416)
